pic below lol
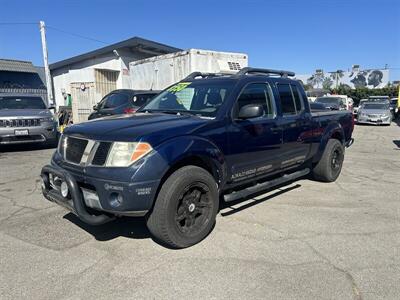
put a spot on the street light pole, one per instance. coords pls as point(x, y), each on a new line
point(50, 98)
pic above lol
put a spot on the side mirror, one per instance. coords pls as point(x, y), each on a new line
point(251, 111)
point(95, 107)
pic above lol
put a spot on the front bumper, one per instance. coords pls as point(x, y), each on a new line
point(374, 119)
point(40, 134)
point(96, 201)
point(374, 122)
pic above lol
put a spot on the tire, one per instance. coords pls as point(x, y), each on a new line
point(330, 165)
point(185, 209)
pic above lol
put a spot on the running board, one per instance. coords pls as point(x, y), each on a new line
point(265, 185)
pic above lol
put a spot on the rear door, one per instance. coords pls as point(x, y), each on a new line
point(295, 121)
point(254, 144)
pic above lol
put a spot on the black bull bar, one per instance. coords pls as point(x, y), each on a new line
point(78, 207)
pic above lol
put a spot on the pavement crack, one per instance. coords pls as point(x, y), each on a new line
point(349, 277)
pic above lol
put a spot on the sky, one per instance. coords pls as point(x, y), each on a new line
point(301, 35)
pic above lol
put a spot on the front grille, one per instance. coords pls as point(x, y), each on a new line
point(100, 157)
point(74, 149)
point(20, 123)
point(374, 116)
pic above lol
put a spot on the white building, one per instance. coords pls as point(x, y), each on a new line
point(86, 78)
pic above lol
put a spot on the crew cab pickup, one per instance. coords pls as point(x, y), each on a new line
point(206, 139)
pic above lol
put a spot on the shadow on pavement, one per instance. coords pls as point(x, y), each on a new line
point(135, 227)
point(123, 227)
point(25, 147)
point(279, 191)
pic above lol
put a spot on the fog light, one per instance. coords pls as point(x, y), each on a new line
point(64, 189)
point(116, 199)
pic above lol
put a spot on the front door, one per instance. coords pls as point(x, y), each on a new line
point(254, 144)
point(113, 103)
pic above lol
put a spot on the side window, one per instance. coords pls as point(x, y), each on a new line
point(114, 100)
point(139, 100)
point(287, 101)
point(257, 93)
point(297, 98)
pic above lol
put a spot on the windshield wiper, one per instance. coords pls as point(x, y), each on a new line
point(171, 112)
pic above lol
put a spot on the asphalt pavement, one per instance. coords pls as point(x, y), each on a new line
point(306, 240)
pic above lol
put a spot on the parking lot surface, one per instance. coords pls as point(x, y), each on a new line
point(306, 240)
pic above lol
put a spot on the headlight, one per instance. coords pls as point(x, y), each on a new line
point(48, 119)
point(123, 154)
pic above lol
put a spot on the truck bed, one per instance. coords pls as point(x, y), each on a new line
point(343, 117)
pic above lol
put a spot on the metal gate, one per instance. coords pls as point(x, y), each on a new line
point(106, 81)
point(87, 94)
point(83, 98)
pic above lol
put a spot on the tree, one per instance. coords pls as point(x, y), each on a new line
point(327, 83)
point(363, 92)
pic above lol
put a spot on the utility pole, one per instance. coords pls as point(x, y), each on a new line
point(49, 85)
point(337, 79)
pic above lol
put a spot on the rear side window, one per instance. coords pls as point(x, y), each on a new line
point(139, 100)
point(287, 101)
point(257, 93)
point(297, 98)
point(291, 101)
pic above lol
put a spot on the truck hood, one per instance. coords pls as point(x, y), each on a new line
point(151, 127)
point(38, 113)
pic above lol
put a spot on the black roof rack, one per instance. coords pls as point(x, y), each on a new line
point(204, 75)
point(249, 70)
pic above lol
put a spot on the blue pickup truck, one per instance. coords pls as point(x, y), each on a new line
point(206, 139)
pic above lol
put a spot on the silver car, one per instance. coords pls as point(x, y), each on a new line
point(374, 113)
point(26, 119)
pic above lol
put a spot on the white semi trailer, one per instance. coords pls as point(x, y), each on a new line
point(159, 72)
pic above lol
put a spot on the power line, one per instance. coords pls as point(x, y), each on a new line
point(56, 29)
point(76, 35)
point(19, 23)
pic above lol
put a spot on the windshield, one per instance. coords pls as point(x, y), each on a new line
point(375, 106)
point(329, 100)
point(22, 103)
point(202, 98)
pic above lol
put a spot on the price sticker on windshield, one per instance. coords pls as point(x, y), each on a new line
point(178, 87)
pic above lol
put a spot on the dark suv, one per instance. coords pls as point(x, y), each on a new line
point(121, 102)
